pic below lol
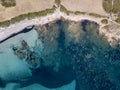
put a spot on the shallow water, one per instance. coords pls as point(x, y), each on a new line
point(61, 55)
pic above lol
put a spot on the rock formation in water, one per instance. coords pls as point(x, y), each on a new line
point(30, 54)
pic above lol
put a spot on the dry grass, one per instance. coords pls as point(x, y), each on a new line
point(27, 16)
point(115, 8)
point(89, 6)
point(24, 7)
point(107, 5)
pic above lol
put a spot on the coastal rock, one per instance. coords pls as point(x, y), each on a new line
point(31, 56)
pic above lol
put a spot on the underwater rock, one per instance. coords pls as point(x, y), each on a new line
point(68, 50)
point(80, 46)
point(33, 59)
point(31, 56)
point(24, 45)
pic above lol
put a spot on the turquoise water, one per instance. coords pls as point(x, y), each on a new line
point(61, 55)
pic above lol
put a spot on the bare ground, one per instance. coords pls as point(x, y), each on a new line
point(90, 6)
point(24, 6)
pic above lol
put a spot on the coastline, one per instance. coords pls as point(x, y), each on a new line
point(17, 27)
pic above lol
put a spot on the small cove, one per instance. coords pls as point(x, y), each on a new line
point(69, 51)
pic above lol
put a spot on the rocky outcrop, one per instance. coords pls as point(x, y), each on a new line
point(29, 54)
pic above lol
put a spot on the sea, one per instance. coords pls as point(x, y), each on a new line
point(60, 55)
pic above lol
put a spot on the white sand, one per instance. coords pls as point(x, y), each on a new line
point(5, 32)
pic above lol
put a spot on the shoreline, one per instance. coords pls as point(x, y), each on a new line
point(6, 32)
point(25, 30)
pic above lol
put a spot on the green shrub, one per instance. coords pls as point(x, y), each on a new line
point(28, 16)
point(96, 15)
point(5, 23)
point(116, 6)
point(57, 2)
point(107, 5)
point(63, 9)
point(106, 27)
point(18, 18)
point(6, 3)
point(78, 12)
point(104, 21)
point(118, 20)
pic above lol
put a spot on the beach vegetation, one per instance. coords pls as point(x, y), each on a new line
point(106, 27)
point(8, 3)
point(118, 20)
point(58, 2)
point(79, 12)
point(104, 21)
point(63, 9)
point(96, 15)
point(107, 5)
point(27, 16)
point(111, 7)
point(116, 7)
